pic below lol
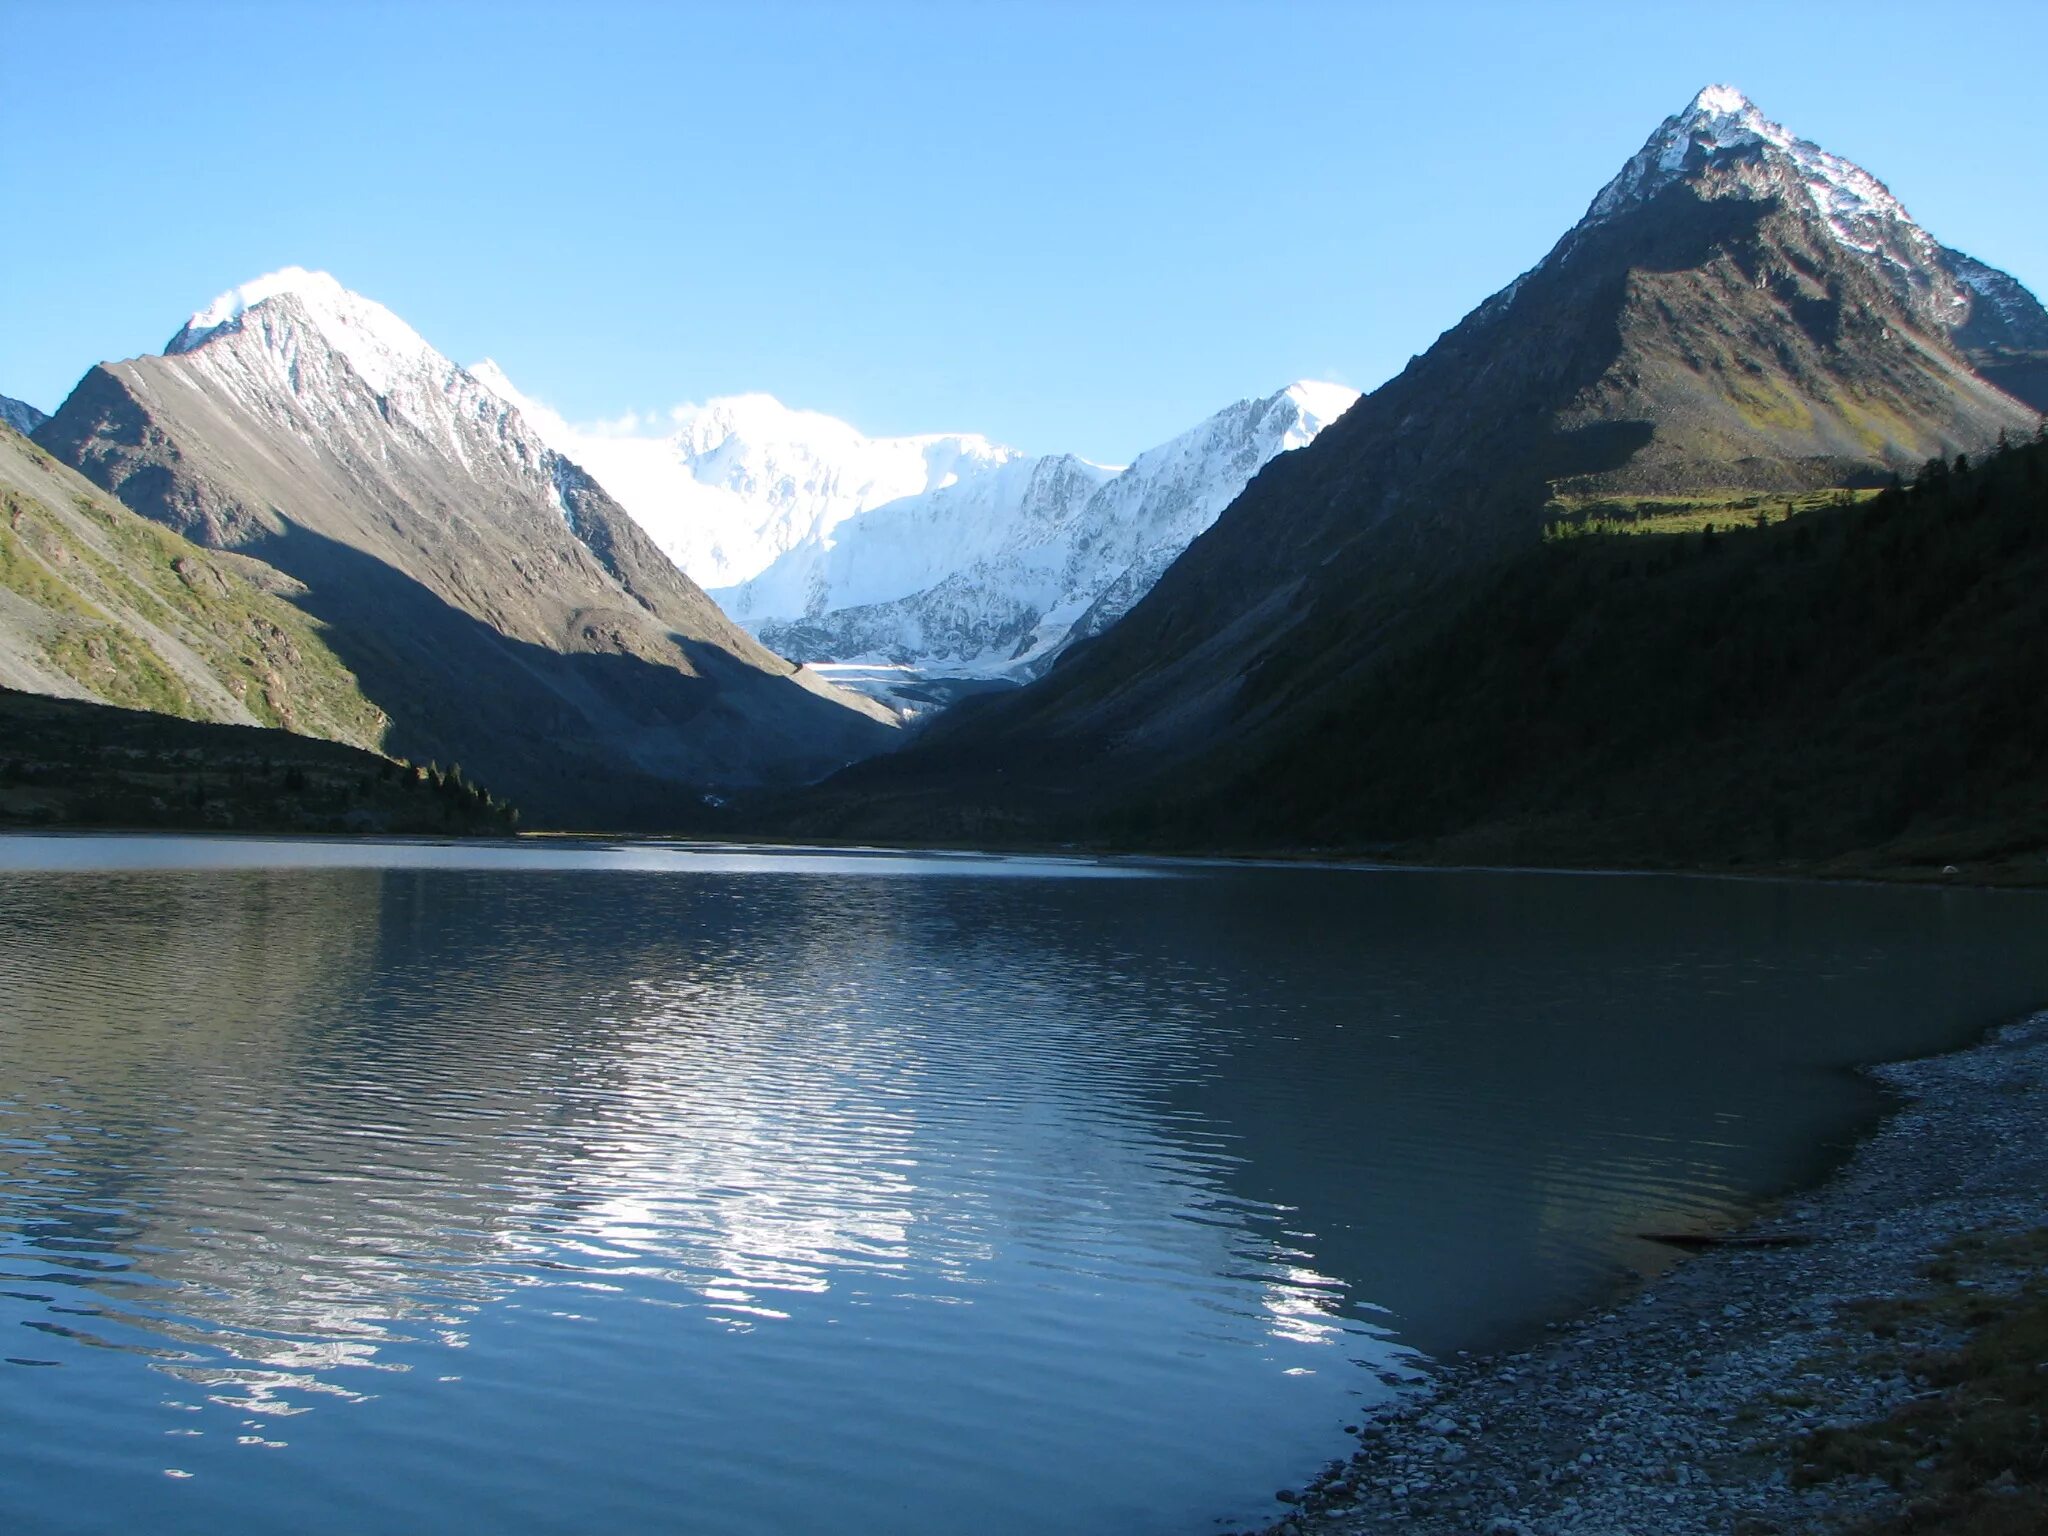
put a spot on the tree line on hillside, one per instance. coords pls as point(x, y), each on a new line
point(1862, 676)
point(67, 762)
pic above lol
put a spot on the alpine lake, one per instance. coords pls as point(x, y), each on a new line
point(570, 1187)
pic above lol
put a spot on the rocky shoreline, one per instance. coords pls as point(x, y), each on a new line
point(1690, 1406)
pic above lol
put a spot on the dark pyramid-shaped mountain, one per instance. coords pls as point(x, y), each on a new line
point(489, 597)
point(1738, 311)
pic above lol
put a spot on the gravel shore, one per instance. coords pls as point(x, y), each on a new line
point(1682, 1409)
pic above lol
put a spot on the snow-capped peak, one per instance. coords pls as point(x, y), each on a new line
point(1858, 208)
point(355, 368)
point(734, 438)
point(1320, 402)
point(1723, 101)
point(996, 576)
point(379, 346)
point(728, 485)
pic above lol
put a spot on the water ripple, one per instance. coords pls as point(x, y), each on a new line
point(569, 1189)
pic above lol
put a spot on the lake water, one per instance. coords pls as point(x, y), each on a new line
point(571, 1188)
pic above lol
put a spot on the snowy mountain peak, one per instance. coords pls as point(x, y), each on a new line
point(355, 369)
point(1320, 402)
point(493, 378)
point(1720, 121)
point(544, 422)
point(2003, 311)
point(737, 481)
point(937, 547)
point(753, 426)
point(1721, 101)
point(995, 577)
point(379, 346)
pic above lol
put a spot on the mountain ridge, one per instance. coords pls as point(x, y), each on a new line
point(20, 415)
point(1051, 572)
point(740, 479)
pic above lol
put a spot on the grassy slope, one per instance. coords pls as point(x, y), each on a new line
point(98, 602)
point(68, 763)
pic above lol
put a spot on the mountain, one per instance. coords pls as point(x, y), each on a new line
point(1001, 574)
point(1738, 313)
point(2005, 334)
point(1995, 323)
point(740, 480)
point(98, 603)
point(948, 553)
point(495, 603)
point(20, 415)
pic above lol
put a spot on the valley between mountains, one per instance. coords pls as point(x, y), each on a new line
point(1715, 538)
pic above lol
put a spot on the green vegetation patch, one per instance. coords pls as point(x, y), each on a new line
point(1579, 516)
point(120, 669)
point(23, 572)
point(97, 561)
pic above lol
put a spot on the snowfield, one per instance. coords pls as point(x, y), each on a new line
point(946, 553)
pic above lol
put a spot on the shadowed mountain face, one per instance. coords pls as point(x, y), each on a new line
point(491, 598)
point(2005, 335)
point(20, 415)
point(66, 763)
point(1739, 311)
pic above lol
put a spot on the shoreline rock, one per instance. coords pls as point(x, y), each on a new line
point(1678, 1408)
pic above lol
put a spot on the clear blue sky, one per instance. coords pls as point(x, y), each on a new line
point(1069, 226)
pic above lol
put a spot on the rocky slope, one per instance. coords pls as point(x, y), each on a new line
point(1737, 312)
point(492, 600)
point(98, 603)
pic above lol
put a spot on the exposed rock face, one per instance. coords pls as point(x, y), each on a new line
point(494, 601)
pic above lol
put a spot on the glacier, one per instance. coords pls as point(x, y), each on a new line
point(741, 480)
point(940, 555)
